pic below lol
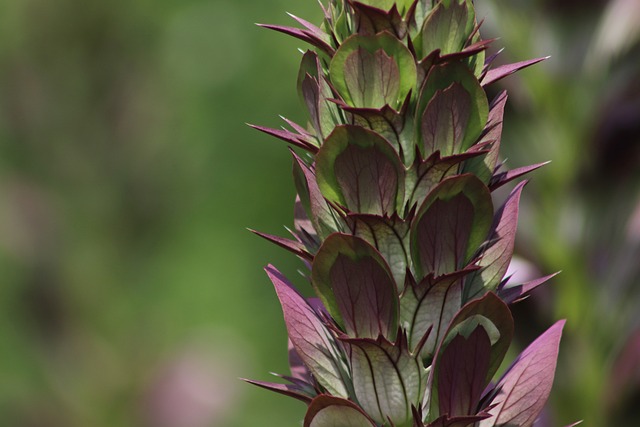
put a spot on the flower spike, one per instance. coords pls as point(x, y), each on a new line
point(396, 224)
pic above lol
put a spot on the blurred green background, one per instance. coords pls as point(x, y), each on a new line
point(132, 295)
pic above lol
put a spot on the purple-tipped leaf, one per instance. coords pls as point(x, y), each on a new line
point(373, 71)
point(492, 309)
point(324, 218)
point(523, 390)
point(372, 78)
point(387, 123)
point(514, 293)
point(290, 137)
point(304, 35)
point(502, 178)
point(310, 90)
point(497, 255)
point(445, 120)
point(447, 28)
point(297, 391)
point(303, 228)
point(330, 411)
point(356, 285)
point(441, 77)
point(293, 246)
point(488, 312)
point(483, 167)
point(424, 175)
point(468, 52)
point(316, 95)
point(430, 306)
point(360, 170)
point(313, 29)
point(302, 131)
point(503, 71)
point(451, 225)
point(462, 373)
point(372, 20)
point(311, 339)
point(298, 369)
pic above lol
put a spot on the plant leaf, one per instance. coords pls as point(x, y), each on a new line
point(387, 379)
point(447, 27)
point(324, 218)
point(503, 71)
point(390, 236)
point(497, 255)
point(303, 228)
point(445, 121)
point(359, 169)
point(498, 180)
point(491, 308)
point(356, 286)
point(293, 246)
point(371, 19)
point(373, 71)
point(311, 339)
point(316, 94)
point(424, 175)
point(451, 224)
point(304, 35)
point(389, 124)
point(462, 373)
point(442, 76)
point(515, 293)
point(523, 390)
point(494, 316)
point(330, 411)
point(430, 306)
point(313, 29)
point(292, 390)
point(483, 167)
point(290, 137)
point(296, 365)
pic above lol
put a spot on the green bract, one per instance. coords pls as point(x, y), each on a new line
point(361, 171)
point(396, 223)
point(373, 71)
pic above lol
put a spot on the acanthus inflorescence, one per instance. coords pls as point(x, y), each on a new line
point(395, 220)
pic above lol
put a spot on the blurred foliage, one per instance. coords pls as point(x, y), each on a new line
point(580, 214)
point(132, 294)
point(127, 178)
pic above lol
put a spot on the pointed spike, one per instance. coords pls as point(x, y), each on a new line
point(495, 74)
point(286, 136)
point(513, 294)
point(309, 26)
point(309, 335)
point(296, 127)
point(524, 388)
point(502, 178)
point(290, 245)
point(304, 35)
point(488, 62)
point(285, 389)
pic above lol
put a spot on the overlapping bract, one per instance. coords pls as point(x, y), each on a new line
point(395, 218)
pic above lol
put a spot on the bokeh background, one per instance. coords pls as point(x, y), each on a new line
point(131, 293)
